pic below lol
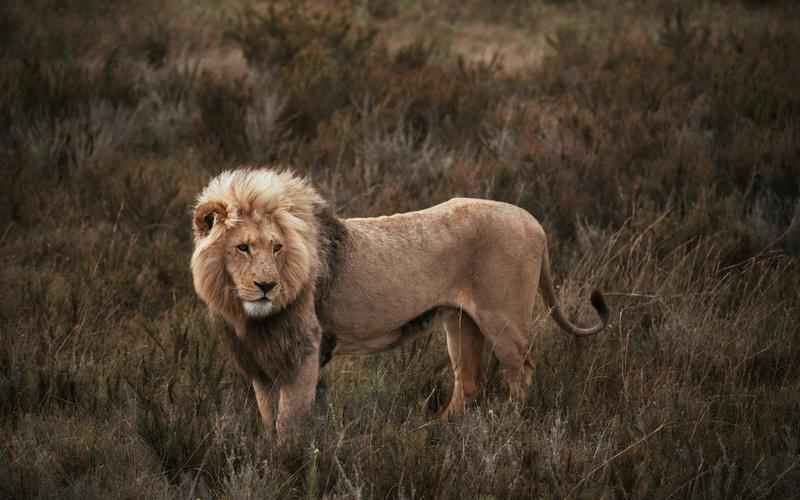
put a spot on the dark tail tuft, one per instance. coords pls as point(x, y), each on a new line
point(599, 303)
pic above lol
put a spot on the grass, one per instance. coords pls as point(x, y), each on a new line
point(656, 142)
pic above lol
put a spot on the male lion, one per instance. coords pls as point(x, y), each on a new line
point(297, 284)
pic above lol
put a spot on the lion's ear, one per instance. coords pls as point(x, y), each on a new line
point(206, 215)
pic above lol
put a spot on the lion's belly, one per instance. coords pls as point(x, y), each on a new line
point(370, 342)
point(350, 345)
point(369, 327)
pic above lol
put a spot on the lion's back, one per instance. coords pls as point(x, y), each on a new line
point(442, 235)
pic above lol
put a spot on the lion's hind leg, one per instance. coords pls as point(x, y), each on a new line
point(465, 347)
point(510, 345)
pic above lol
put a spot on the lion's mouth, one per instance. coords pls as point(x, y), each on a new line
point(254, 300)
point(258, 308)
point(259, 302)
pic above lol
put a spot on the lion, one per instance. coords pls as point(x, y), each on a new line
point(297, 285)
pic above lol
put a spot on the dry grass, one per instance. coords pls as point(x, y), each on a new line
point(659, 144)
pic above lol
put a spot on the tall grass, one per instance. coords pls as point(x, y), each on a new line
point(661, 156)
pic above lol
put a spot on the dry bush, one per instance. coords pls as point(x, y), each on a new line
point(285, 32)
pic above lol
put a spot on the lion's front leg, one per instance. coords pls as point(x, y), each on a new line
point(297, 397)
point(265, 395)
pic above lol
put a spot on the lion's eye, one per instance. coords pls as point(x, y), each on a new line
point(209, 220)
point(277, 248)
point(244, 247)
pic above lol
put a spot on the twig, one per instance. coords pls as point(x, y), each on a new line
point(356, 492)
point(779, 478)
point(607, 462)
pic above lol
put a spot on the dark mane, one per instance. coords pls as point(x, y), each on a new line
point(332, 239)
point(271, 349)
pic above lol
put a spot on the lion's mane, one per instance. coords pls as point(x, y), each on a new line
point(271, 348)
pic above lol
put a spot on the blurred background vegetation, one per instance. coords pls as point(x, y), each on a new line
point(658, 141)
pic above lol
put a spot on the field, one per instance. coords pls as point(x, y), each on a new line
point(657, 141)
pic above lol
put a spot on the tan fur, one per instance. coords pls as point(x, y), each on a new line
point(370, 284)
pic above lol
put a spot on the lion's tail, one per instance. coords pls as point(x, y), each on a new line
point(549, 293)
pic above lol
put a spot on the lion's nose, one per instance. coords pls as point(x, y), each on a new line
point(264, 286)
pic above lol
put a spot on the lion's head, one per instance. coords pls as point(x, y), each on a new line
point(255, 236)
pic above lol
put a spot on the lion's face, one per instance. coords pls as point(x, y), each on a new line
point(255, 236)
point(253, 259)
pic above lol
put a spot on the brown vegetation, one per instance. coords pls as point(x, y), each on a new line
point(658, 142)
